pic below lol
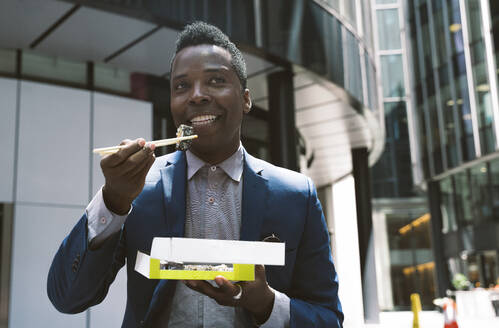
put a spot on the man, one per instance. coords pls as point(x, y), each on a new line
point(214, 190)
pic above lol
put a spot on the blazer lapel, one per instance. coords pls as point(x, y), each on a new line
point(173, 177)
point(255, 200)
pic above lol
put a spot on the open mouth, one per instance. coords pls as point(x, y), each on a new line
point(202, 120)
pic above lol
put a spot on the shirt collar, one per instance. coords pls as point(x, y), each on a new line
point(232, 166)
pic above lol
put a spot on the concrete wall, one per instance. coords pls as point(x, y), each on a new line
point(50, 181)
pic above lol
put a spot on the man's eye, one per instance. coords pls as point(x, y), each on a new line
point(216, 80)
point(180, 86)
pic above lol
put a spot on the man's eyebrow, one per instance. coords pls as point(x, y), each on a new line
point(180, 76)
point(207, 70)
point(217, 69)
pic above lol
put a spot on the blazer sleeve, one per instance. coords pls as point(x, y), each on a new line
point(314, 286)
point(80, 277)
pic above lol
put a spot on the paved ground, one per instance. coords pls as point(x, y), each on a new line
point(428, 319)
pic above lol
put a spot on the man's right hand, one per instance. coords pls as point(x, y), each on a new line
point(125, 173)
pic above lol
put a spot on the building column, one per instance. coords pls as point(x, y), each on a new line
point(360, 164)
point(438, 240)
point(282, 127)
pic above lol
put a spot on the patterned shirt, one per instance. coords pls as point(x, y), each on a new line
point(214, 194)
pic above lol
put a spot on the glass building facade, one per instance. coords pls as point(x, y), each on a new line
point(401, 220)
point(454, 46)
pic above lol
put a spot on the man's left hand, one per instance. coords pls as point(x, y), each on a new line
point(257, 297)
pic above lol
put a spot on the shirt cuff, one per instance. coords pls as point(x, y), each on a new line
point(280, 312)
point(101, 222)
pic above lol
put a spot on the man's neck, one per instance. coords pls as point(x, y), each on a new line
point(214, 158)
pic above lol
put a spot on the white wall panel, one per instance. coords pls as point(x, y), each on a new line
point(8, 90)
point(53, 161)
point(38, 232)
point(117, 118)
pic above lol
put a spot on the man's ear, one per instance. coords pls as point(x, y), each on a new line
point(247, 101)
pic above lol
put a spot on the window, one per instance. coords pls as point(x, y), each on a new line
point(494, 181)
point(53, 68)
point(448, 206)
point(110, 78)
point(392, 74)
point(388, 29)
point(463, 199)
point(411, 259)
point(480, 191)
point(352, 55)
point(7, 61)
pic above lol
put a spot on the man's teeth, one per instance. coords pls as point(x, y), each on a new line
point(203, 119)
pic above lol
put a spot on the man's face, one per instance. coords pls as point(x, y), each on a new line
point(206, 94)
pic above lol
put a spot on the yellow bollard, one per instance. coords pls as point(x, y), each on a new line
point(415, 307)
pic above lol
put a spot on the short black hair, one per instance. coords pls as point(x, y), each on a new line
point(198, 33)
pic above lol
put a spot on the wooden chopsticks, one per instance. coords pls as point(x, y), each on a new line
point(159, 143)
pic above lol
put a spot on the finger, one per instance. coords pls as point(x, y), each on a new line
point(203, 287)
point(131, 147)
point(215, 293)
point(226, 286)
point(260, 272)
point(137, 161)
point(141, 174)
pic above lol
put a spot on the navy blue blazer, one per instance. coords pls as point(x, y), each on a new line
point(275, 201)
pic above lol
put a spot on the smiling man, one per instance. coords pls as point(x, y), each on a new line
point(214, 190)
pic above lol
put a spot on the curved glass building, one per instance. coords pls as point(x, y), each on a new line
point(454, 67)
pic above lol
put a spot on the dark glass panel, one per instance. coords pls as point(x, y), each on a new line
point(448, 107)
point(411, 259)
point(423, 141)
point(494, 182)
point(306, 34)
point(481, 193)
point(459, 64)
point(440, 31)
point(435, 135)
point(465, 123)
point(353, 73)
point(419, 94)
point(333, 37)
point(463, 198)
point(443, 75)
point(414, 50)
point(392, 174)
point(448, 205)
point(455, 26)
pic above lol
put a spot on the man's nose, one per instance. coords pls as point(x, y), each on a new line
point(199, 95)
